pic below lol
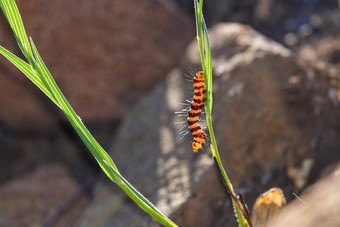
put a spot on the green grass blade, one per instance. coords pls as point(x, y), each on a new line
point(13, 16)
point(208, 66)
point(205, 53)
point(198, 18)
point(27, 70)
point(97, 151)
point(143, 202)
point(101, 156)
point(37, 71)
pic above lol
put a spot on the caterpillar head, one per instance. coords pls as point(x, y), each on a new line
point(196, 146)
point(198, 141)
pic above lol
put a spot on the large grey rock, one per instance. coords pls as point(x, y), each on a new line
point(254, 123)
point(252, 126)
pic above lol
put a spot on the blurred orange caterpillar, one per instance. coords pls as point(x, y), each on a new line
point(197, 105)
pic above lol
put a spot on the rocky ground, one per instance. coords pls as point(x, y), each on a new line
point(276, 106)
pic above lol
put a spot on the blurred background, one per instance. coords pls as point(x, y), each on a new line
point(122, 66)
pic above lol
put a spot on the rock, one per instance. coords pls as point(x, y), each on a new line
point(267, 205)
point(162, 171)
point(318, 206)
point(300, 175)
point(317, 98)
point(41, 197)
point(329, 170)
point(323, 49)
point(252, 125)
point(102, 207)
point(109, 201)
point(23, 154)
point(104, 55)
point(255, 126)
point(22, 108)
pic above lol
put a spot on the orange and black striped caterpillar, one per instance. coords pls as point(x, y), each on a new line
point(195, 110)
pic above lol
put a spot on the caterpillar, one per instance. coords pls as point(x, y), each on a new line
point(195, 110)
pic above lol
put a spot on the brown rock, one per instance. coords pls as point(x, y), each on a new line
point(24, 154)
point(37, 197)
point(318, 206)
point(317, 98)
point(252, 126)
point(267, 205)
point(255, 126)
point(104, 55)
point(22, 108)
point(99, 211)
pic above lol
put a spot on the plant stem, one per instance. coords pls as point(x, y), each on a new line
point(205, 53)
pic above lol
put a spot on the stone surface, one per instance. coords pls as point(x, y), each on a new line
point(99, 211)
point(315, 98)
point(255, 126)
point(24, 154)
point(104, 55)
point(318, 206)
point(267, 205)
point(252, 125)
point(276, 118)
point(22, 107)
point(40, 197)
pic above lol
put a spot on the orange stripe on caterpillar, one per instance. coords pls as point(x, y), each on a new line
point(197, 105)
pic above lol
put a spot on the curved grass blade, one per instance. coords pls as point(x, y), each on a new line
point(27, 70)
point(142, 201)
point(37, 71)
point(97, 151)
point(208, 66)
point(13, 16)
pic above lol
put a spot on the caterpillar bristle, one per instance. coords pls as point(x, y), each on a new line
point(183, 129)
point(184, 135)
point(184, 111)
point(189, 77)
point(180, 122)
point(184, 132)
point(184, 104)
